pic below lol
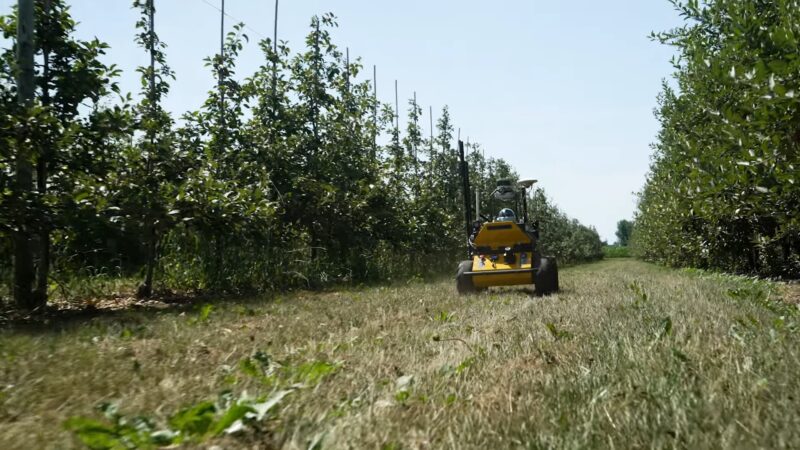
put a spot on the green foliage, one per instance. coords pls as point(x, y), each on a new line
point(443, 316)
point(403, 388)
point(641, 295)
point(277, 181)
point(615, 251)
point(203, 314)
point(59, 134)
point(557, 333)
point(465, 365)
point(567, 239)
point(118, 432)
point(664, 327)
point(194, 420)
point(722, 191)
point(312, 372)
point(195, 423)
point(624, 230)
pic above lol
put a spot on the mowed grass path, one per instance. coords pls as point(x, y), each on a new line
point(627, 355)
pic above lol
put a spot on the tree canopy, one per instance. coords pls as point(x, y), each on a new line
point(723, 190)
point(624, 231)
point(280, 179)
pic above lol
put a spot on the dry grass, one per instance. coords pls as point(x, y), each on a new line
point(628, 355)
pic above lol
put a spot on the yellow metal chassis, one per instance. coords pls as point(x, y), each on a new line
point(493, 269)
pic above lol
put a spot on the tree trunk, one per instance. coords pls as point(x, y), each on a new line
point(23, 253)
point(43, 259)
point(24, 275)
point(146, 288)
point(45, 156)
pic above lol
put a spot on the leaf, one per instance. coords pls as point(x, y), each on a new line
point(99, 436)
point(235, 413)
point(316, 442)
point(249, 368)
point(93, 434)
point(402, 396)
point(404, 382)
point(236, 427)
point(556, 333)
point(313, 372)
point(195, 420)
point(261, 409)
point(466, 364)
point(164, 437)
point(205, 313)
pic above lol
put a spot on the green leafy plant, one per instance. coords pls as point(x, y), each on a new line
point(558, 334)
point(664, 328)
point(641, 295)
point(195, 423)
point(118, 431)
point(443, 316)
point(312, 373)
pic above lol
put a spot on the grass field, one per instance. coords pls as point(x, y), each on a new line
point(627, 355)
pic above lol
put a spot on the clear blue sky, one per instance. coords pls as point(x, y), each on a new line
point(563, 90)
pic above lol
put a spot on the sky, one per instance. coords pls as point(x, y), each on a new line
point(562, 90)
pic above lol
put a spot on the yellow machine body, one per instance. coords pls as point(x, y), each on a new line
point(493, 268)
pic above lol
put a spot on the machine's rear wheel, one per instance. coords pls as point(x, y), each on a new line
point(464, 284)
point(546, 279)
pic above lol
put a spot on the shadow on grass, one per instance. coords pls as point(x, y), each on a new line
point(55, 320)
point(62, 316)
point(59, 317)
point(528, 291)
point(532, 293)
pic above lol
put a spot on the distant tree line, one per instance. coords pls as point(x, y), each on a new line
point(276, 181)
point(723, 190)
point(561, 236)
point(624, 231)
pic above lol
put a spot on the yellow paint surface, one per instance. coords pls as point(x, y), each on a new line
point(494, 236)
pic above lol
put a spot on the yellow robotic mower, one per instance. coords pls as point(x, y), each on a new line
point(503, 252)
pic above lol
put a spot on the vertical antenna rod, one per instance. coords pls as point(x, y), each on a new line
point(465, 187)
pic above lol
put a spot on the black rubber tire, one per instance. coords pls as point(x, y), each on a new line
point(464, 284)
point(546, 279)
